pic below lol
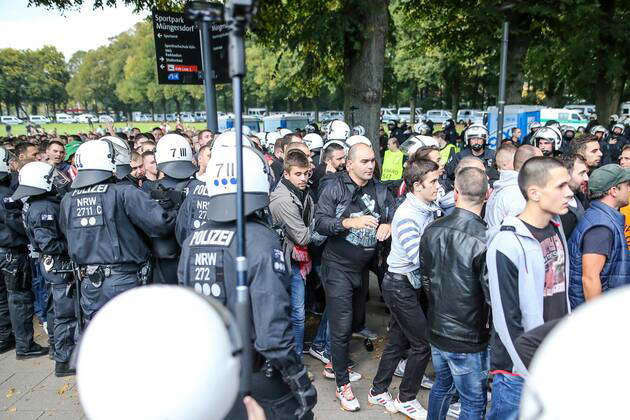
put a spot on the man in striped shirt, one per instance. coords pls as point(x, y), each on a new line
point(401, 291)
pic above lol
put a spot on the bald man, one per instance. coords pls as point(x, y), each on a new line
point(368, 209)
point(507, 199)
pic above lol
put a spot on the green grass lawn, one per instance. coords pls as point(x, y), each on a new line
point(19, 129)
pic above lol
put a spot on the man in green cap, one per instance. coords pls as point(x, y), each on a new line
point(599, 255)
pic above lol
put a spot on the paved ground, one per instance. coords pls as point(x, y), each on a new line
point(29, 389)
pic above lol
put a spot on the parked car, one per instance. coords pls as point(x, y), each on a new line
point(404, 114)
point(86, 118)
point(38, 119)
point(170, 117)
point(65, 119)
point(10, 120)
point(586, 109)
point(186, 117)
point(105, 118)
point(158, 117)
point(146, 117)
point(564, 116)
point(389, 114)
point(438, 116)
point(473, 115)
point(200, 116)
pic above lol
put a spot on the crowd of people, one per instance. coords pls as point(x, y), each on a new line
point(478, 252)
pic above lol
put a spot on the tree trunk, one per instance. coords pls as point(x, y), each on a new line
point(518, 45)
point(178, 106)
point(412, 105)
point(363, 68)
point(554, 93)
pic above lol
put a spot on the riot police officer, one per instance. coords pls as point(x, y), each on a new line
point(208, 264)
point(101, 221)
point(174, 159)
point(16, 297)
point(41, 219)
point(475, 142)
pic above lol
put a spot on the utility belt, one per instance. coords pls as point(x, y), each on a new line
point(14, 250)
point(97, 273)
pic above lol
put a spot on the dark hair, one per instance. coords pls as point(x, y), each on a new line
point(439, 135)
point(578, 145)
point(568, 160)
point(536, 172)
point(205, 130)
point(281, 143)
point(156, 128)
point(22, 147)
point(417, 170)
point(514, 129)
point(472, 183)
point(328, 151)
point(423, 152)
point(55, 142)
point(150, 136)
point(295, 158)
point(394, 140)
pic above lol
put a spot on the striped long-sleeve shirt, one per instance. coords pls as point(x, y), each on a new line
point(410, 219)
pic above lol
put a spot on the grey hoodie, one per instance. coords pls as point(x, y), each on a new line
point(506, 199)
point(516, 277)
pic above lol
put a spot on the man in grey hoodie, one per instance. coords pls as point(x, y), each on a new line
point(507, 199)
point(528, 271)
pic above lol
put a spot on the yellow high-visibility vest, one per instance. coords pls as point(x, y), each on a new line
point(392, 166)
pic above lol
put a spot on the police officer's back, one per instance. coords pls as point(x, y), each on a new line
point(102, 221)
point(16, 297)
point(208, 264)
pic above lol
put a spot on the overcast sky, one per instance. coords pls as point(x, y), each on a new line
point(84, 29)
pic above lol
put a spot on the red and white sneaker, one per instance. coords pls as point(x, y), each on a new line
point(411, 409)
point(347, 399)
point(384, 399)
point(329, 373)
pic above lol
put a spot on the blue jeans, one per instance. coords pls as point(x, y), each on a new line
point(39, 290)
point(322, 338)
point(298, 313)
point(506, 397)
point(466, 373)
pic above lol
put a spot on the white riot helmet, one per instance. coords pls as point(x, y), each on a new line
point(570, 357)
point(551, 134)
point(5, 157)
point(228, 139)
point(352, 140)
point(122, 157)
point(614, 117)
point(337, 130)
point(222, 183)
point(600, 128)
point(95, 163)
point(191, 374)
point(174, 157)
point(284, 131)
point(475, 131)
point(413, 143)
point(534, 125)
point(245, 130)
point(35, 178)
point(272, 138)
point(619, 126)
point(358, 130)
point(314, 141)
point(422, 129)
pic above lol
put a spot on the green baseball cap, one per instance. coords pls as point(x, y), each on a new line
point(608, 176)
point(71, 149)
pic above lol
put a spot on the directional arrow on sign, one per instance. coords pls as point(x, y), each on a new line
point(161, 58)
point(162, 66)
point(159, 35)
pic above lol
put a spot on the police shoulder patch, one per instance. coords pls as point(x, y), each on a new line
point(277, 259)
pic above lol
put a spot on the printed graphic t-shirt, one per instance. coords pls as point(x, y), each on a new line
point(554, 255)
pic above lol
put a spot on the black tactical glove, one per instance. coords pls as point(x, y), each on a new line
point(168, 198)
point(11, 204)
point(303, 391)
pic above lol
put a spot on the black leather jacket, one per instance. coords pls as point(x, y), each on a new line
point(453, 263)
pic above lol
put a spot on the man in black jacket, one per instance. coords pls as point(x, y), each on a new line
point(354, 211)
point(452, 259)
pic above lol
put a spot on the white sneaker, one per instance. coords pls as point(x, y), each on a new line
point(454, 410)
point(347, 399)
point(400, 369)
point(427, 383)
point(319, 355)
point(45, 327)
point(329, 373)
point(411, 409)
point(384, 400)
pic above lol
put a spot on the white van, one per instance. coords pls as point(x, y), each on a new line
point(65, 119)
point(585, 109)
point(257, 112)
point(473, 115)
point(38, 119)
point(564, 116)
point(10, 120)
